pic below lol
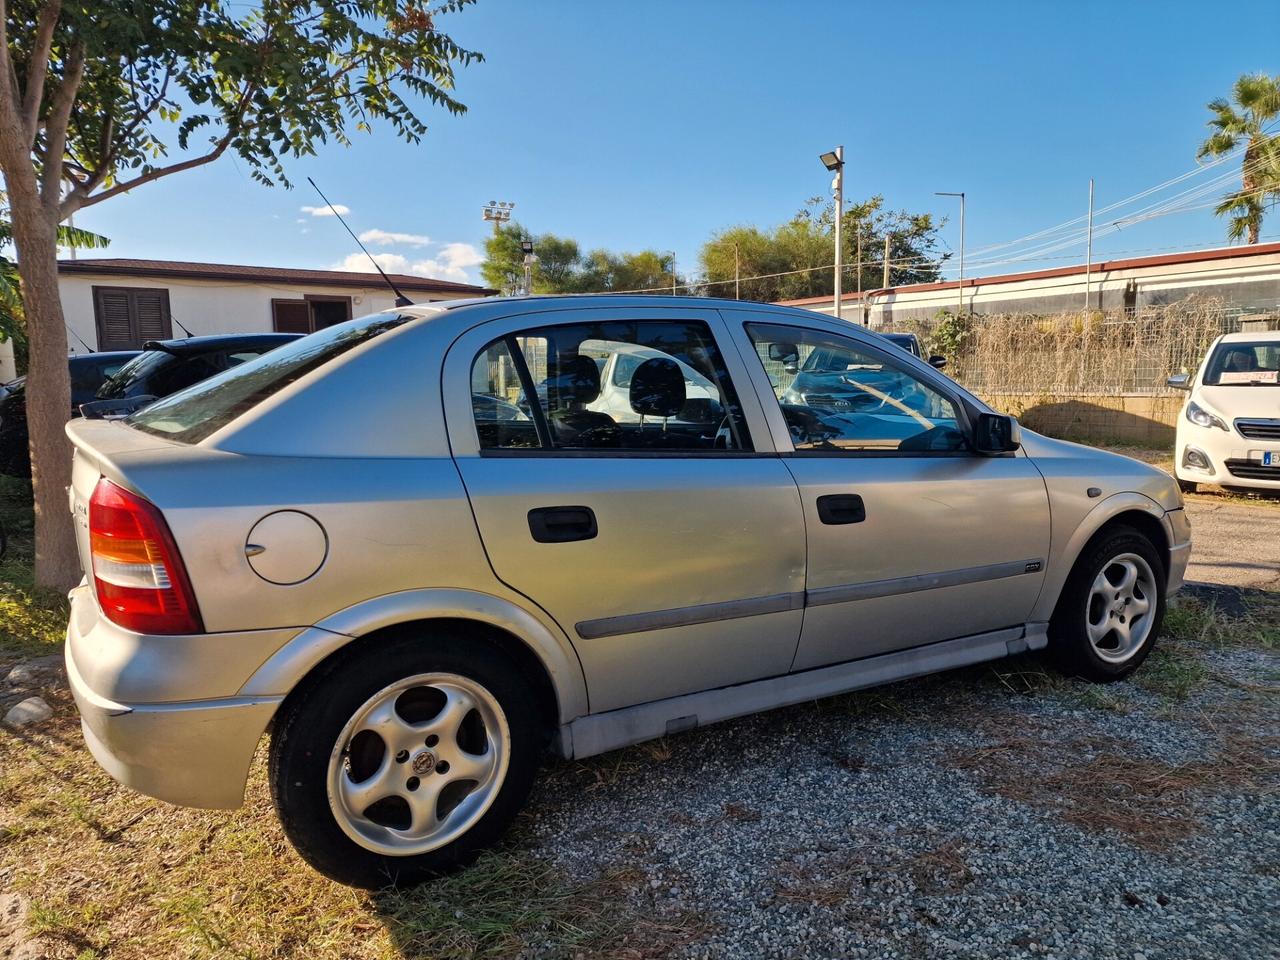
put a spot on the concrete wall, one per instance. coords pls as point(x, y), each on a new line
point(1142, 420)
point(213, 306)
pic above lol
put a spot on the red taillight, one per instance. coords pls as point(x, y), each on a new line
point(141, 582)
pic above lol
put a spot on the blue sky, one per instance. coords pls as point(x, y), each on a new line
point(630, 125)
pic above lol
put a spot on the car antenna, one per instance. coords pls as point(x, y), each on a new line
point(182, 325)
point(401, 299)
point(87, 348)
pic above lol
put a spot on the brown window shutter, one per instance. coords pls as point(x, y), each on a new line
point(152, 310)
point(291, 316)
point(126, 317)
point(115, 332)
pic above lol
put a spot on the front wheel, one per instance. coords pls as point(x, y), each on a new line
point(402, 760)
point(1111, 607)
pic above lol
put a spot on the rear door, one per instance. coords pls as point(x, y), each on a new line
point(912, 538)
point(668, 544)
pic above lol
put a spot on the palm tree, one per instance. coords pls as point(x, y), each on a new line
point(1256, 103)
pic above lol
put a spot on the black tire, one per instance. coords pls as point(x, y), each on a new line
point(1068, 630)
point(1188, 486)
point(314, 715)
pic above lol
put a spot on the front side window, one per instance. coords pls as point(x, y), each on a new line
point(837, 396)
point(1244, 364)
point(668, 389)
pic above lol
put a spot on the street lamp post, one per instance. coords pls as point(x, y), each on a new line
point(833, 160)
point(941, 193)
point(530, 258)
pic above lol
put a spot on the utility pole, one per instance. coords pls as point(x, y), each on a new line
point(941, 193)
point(673, 273)
point(887, 238)
point(1088, 248)
point(737, 274)
point(833, 160)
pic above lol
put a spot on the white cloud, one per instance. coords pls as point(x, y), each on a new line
point(326, 211)
point(387, 238)
point(450, 263)
point(359, 263)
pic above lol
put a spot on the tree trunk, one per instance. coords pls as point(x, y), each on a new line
point(1249, 187)
point(48, 394)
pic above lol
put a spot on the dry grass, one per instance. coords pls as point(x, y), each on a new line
point(108, 872)
point(1099, 784)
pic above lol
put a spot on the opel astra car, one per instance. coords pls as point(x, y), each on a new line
point(420, 598)
point(1229, 429)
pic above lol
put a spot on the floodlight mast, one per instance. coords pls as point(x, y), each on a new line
point(833, 160)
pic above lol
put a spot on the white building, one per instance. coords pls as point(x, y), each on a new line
point(1244, 276)
point(115, 304)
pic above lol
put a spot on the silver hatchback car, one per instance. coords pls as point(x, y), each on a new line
point(410, 547)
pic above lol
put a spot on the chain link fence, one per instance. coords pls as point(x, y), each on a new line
point(1114, 353)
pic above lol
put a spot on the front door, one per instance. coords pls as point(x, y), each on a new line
point(912, 537)
point(666, 539)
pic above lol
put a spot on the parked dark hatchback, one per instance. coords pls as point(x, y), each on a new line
point(88, 372)
point(167, 366)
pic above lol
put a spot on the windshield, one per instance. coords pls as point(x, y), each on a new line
point(1244, 364)
point(130, 379)
point(198, 411)
point(907, 341)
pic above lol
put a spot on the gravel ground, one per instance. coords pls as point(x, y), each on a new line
point(1235, 543)
point(991, 812)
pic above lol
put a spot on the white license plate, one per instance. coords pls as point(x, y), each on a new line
point(1271, 459)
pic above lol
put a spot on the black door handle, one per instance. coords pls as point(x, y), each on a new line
point(838, 508)
point(562, 524)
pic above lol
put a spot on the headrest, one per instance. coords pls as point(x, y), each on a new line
point(577, 380)
point(657, 388)
point(1240, 358)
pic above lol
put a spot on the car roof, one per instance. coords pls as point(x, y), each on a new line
point(228, 341)
point(1246, 336)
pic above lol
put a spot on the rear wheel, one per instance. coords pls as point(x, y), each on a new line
point(1111, 607)
point(401, 761)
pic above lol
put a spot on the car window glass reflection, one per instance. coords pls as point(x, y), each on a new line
point(836, 396)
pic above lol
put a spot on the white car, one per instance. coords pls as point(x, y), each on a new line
point(618, 361)
point(1229, 428)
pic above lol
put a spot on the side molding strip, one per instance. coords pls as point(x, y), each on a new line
point(755, 606)
point(688, 616)
point(925, 581)
point(596, 733)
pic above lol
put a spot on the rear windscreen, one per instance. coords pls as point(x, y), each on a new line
point(200, 410)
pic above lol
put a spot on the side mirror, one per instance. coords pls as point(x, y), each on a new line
point(1180, 381)
point(996, 433)
point(784, 353)
point(937, 361)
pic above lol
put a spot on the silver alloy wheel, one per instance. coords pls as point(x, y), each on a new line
point(418, 764)
point(1120, 608)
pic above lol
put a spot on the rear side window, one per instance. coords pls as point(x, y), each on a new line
point(200, 410)
point(547, 388)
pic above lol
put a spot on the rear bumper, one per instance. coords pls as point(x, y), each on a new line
point(193, 752)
